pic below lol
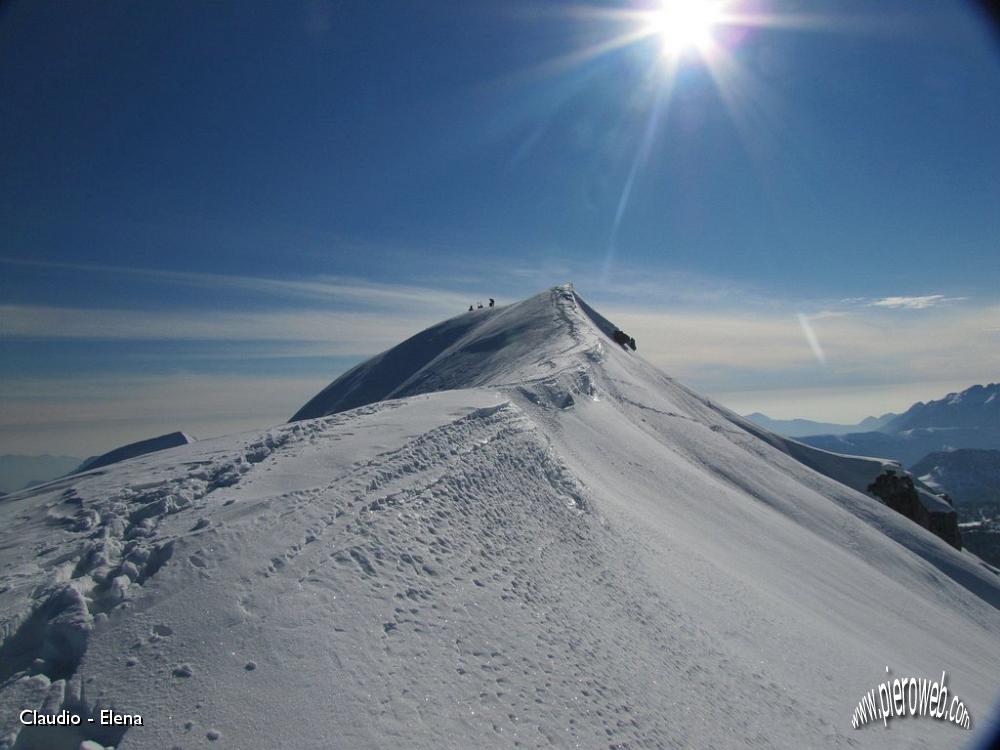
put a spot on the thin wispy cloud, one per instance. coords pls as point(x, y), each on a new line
point(342, 332)
point(318, 288)
point(914, 303)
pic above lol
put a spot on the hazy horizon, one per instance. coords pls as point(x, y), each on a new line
point(94, 416)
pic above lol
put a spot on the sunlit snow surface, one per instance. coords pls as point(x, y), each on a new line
point(566, 549)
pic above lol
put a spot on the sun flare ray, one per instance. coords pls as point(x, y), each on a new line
point(678, 34)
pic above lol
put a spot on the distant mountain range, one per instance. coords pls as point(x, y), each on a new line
point(968, 419)
point(801, 427)
point(968, 476)
point(974, 408)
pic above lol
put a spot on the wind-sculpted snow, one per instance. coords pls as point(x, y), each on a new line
point(84, 551)
point(544, 543)
point(142, 447)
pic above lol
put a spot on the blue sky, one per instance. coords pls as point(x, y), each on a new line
point(209, 210)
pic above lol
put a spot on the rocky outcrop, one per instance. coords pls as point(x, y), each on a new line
point(901, 494)
point(945, 525)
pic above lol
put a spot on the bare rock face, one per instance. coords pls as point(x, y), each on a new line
point(900, 493)
point(945, 525)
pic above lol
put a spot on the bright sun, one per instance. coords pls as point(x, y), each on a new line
point(686, 24)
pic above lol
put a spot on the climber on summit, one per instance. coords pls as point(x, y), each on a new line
point(470, 308)
point(491, 302)
point(479, 306)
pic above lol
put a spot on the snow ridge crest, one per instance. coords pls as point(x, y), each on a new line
point(504, 346)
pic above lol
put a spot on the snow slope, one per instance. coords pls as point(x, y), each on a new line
point(540, 541)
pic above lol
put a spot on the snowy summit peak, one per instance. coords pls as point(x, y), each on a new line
point(502, 346)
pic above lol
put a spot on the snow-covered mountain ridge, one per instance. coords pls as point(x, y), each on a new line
point(538, 540)
point(542, 339)
point(551, 350)
point(976, 407)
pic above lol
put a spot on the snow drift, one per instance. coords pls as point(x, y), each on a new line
point(506, 532)
point(138, 448)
